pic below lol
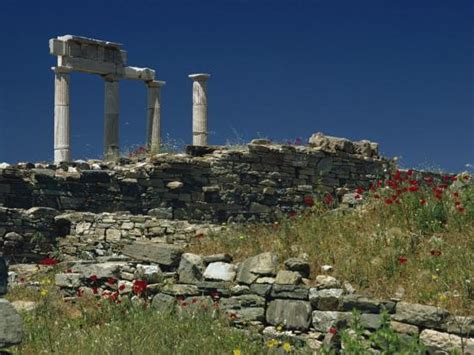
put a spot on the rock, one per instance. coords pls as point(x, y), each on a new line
point(243, 301)
point(220, 271)
point(163, 254)
point(326, 281)
point(247, 314)
point(322, 320)
point(163, 302)
point(326, 299)
point(285, 277)
point(299, 292)
point(331, 143)
point(460, 325)
point(173, 185)
point(69, 280)
point(11, 325)
point(113, 235)
point(13, 237)
point(149, 273)
point(290, 314)
point(161, 212)
point(181, 290)
point(403, 328)
point(3, 276)
point(190, 268)
point(371, 321)
point(238, 290)
point(365, 304)
point(265, 280)
point(256, 207)
point(265, 264)
point(444, 343)
point(261, 289)
point(299, 265)
point(327, 268)
point(420, 315)
point(257, 141)
point(101, 270)
point(24, 306)
point(225, 258)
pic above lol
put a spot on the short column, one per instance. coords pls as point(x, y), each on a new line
point(111, 119)
point(199, 108)
point(62, 129)
point(154, 115)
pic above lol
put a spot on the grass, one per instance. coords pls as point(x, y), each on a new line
point(418, 242)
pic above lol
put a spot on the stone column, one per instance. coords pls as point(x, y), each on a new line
point(154, 115)
point(199, 108)
point(62, 129)
point(111, 119)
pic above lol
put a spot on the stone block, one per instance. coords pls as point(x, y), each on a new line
point(265, 264)
point(290, 314)
point(290, 291)
point(190, 268)
point(11, 325)
point(444, 343)
point(162, 254)
point(220, 271)
point(327, 299)
point(420, 315)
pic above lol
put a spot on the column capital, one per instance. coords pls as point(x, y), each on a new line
point(62, 70)
point(199, 76)
point(155, 83)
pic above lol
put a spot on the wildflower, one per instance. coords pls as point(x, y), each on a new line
point(332, 330)
point(68, 271)
point(272, 343)
point(388, 201)
point(298, 141)
point(215, 295)
point(200, 235)
point(139, 286)
point(357, 197)
point(48, 261)
point(402, 260)
point(413, 188)
point(79, 292)
point(328, 199)
point(286, 347)
point(95, 291)
point(111, 280)
point(232, 316)
point(377, 196)
point(434, 277)
point(122, 287)
point(292, 214)
point(460, 209)
point(308, 200)
point(360, 190)
point(442, 297)
point(183, 304)
point(93, 278)
point(237, 352)
point(410, 172)
point(43, 292)
point(422, 202)
point(435, 252)
point(456, 194)
point(279, 327)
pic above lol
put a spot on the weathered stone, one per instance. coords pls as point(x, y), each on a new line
point(261, 289)
point(326, 299)
point(149, 273)
point(101, 270)
point(247, 314)
point(326, 281)
point(290, 314)
point(299, 265)
point(404, 328)
point(460, 325)
point(420, 315)
point(161, 212)
point(285, 277)
point(265, 264)
point(3, 276)
point(69, 280)
point(242, 301)
point(11, 325)
point(265, 280)
point(322, 320)
point(24, 306)
point(162, 254)
point(223, 257)
point(220, 271)
point(290, 291)
point(173, 185)
point(371, 321)
point(365, 304)
point(190, 268)
point(181, 290)
point(163, 302)
point(444, 343)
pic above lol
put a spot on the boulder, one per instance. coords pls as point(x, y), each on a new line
point(190, 268)
point(291, 314)
point(285, 277)
point(11, 325)
point(299, 292)
point(265, 264)
point(326, 281)
point(163, 302)
point(319, 140)
point(420, 315)
point(444, 343)
point(326, 299)
point(298, 265)
point(163, 254)
point(220, 271)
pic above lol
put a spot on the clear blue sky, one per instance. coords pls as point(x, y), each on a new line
point(396, 72)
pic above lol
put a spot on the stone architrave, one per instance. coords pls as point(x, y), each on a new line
point(111, 119)
point(154, 115)
point(199, 108)
point(62, 128)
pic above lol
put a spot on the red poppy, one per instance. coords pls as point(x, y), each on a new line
point(446, 178)
point(328, 199)
point(48, 261)
point(410, 172)
point(456, 194)
point(392, 184)
point(93, 278)
point(435, 252)
point(194, 300)
point(292, 214)
point(413, 188)
point(422, 202)
point(232, 316)
point(139, 286)
point(332, 330)
point(111, 280)
point(388, 201)
point(122, 287)
point(68, 271)
point(460, 209)
point(308, 200)
point(114, 297)
point(22, 279)
point(377, 196)
point(402, 260)
point(183, 304)
point(79, 292)
point(357, 197)
point(428, 180)
point(454, 178)
point(95, 290)
point(360, 190)
point(215, 295)
point(397, 176)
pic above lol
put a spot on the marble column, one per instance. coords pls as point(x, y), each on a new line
point(111, 119)
point(154, 115)
point(199, 108)
point(62, 129)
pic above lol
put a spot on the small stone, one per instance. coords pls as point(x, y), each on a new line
point(220, 271)
point(444, 343)
point(323, 320)
point(69, 280)
point(327, 268)
point(420, 315)
point(11, 325)
point(190, 268)
point(265, 264)
point(403, 328)
point(285, 277)
point(150, 273)
point(325, 281)
point(265, 280)
point(173, 185)
point(181, 290)
point(163, 302)
point(326, 299)
point(298, 264)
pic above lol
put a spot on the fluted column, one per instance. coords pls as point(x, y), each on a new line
point(62, 129)
point(111, 119)
point(154, 115)
point(199, 108)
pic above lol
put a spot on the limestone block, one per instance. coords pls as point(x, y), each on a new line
point(181, 290)
point(101, 270)
point(285, 277)
point(444, 343)
point(134, 73)
point(220, 271)
point(322, 320)
point(11, 325)
point(298, 264)
point(69, 280)
point(420, 315)
point(190, 268)
point(290, 291)
point(162, 254)
point(326, 299)
point(290, 314)
point(265, 264)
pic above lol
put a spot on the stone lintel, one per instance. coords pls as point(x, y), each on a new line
point(155, 83)
point(199, 76)
point(87, 40)
point(135, 73)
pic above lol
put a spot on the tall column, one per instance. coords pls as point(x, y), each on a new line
point(199, 108)
point(111, 119)
point(154, 115)
point(62, 129)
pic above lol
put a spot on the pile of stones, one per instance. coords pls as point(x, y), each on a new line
point(255, 293)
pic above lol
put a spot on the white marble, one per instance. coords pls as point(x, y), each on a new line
point(62, 129)
point(111, 119)
point(199, 108)
point(154, 115)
